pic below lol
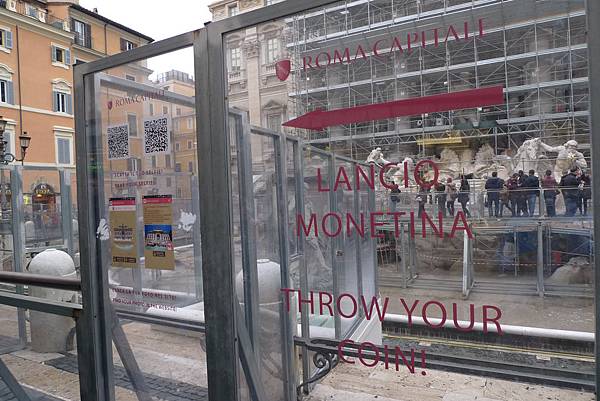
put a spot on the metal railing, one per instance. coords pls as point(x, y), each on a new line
point(536, 203)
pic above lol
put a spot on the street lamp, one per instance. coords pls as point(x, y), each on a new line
point(7, 157)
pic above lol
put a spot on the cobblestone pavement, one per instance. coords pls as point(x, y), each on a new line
point(7, 395)
point(358, 383)
point(160, 387)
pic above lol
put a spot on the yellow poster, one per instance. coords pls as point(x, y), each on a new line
point(123, 232)
point(158, 232)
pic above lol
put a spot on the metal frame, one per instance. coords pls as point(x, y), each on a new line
point(213, 157)
point(593, 13)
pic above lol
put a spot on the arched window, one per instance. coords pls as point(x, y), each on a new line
point(7, 93)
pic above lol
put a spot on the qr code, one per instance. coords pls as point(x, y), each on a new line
point(118, 142)
point(156, 135)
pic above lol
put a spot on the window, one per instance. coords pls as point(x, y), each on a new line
point(189, 143)
point(272, 50)
point(169, 182)
point(134, 164)
point(178, 167)
point(61, 55)
point(233, 10)
point(151, 109)
point(178, 111)
point(168, 161)
point(63, 150)
point(269, 2)
point(177, 146)
point(274, 122)
point(235, 58)
point(127, 45)
point(153, 161)
point(83, 33)
point(130, 78)
point(6, 39)
point(62, 102)
point(31, 11)
point(191, 167)
point(190, 123)
point(132, 122)
point(165, 110)
point(6, 92)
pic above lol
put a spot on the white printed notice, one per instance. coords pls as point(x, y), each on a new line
point(157, 135)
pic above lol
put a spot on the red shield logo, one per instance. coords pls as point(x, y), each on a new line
point(110, 104)
point(282, 69)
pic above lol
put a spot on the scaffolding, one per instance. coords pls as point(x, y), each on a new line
point(537, 52)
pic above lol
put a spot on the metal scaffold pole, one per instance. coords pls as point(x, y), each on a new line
point(593, 37)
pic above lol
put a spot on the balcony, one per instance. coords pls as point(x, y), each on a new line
point(236, 74)
point(82, 40)
point(34, 12)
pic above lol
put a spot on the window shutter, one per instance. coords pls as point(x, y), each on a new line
point(61, 151)
point(54, 101)
point(88, 35)
point(9, 39)
point(69, 104)
point(66, 151)
point(123, 45)
point(66, 159)
point(10, 93)
point(53, 54)
point(68, 57)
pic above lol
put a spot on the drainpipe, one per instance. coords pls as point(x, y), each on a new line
point(18, 49)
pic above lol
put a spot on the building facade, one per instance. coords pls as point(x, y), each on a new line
point(40, 41)
point(361, 53)
point(358, 53)
point(251, 59)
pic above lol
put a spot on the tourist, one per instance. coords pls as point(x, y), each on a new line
point(550, 192)
point(493, 186)
point(532, 184)
point(505, 201)
point(569, 185)
point(463, 195)
point(521, 196)
point(421, 199)
point(452, 195)
point(585, 186)
point(394, 196)
point(441, 198)
point(513, 193)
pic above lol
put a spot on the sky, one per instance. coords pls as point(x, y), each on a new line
point(159, 20)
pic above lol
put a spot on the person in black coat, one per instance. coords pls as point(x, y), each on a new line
point(585, 186)
point(531, 185)
point(464, 195)
point(569, 185)
point(493, 186)
point(521, 196)
point(441, 197)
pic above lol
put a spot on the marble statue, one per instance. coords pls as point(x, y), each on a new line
point(376, 156)
point(397, 172)
point(484, 160)
point(568, 157)
point(448, 163)
point(529, 157)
